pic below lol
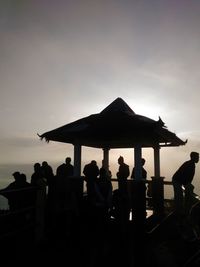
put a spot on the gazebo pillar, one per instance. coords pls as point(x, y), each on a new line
point(138, 196)
point(137, 162)
point(77, 181)
point(157, 184)
point(157, 161)
point(106, 158)
point(77, 160)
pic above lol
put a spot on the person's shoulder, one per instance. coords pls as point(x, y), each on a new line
point(187, 163)
point(58, 167)
point(63, 165)
point(86, 165)
point(12, 185)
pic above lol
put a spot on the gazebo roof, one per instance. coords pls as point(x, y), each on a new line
point(117, 126)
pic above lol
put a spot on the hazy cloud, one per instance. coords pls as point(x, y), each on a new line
point(64, 60)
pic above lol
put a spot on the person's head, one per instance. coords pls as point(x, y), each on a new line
point(68, 160)
point(16, 175)
point(120, 160)
point(93, 162)
point(37, 167)
point(44, 164)
point(194, 156)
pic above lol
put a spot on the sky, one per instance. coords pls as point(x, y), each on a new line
point(64, 60)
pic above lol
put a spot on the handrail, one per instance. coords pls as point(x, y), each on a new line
point(17, 189)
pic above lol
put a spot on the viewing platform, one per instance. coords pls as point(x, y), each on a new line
point(87, 239)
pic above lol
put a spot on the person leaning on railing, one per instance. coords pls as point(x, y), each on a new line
point(183, 177)
point(20, 193)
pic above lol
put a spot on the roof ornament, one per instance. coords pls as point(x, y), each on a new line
point(160, 122)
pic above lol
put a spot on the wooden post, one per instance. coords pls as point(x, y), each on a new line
point(106, 158)
point(77, 160)
point(157, 185)
point(158, 195)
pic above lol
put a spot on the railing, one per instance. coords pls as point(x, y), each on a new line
point(27, 211)
point(18, 223)
point(153, 187)
point(168, 202)
point(29, 216)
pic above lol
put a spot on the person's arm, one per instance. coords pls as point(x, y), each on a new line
point(132, 174)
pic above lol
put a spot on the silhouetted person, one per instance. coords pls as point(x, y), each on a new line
point(23, 180)
point(183, 178)
point(28, 195)
point(122, 175)
point(108, 172)
point(104, 192)
point(16, 194)
point(124, 204)
point(66, 169)
point(12, 195)
point(144, 172)
point(144, 176)
point(49, 176)
point(91, 172)
point(47, 172)
point(65, 201)
point(16, 183)
point(38, 180)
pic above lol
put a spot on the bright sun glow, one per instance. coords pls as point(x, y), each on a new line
point(147, 110)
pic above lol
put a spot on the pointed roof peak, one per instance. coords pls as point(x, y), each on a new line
point(118, 105)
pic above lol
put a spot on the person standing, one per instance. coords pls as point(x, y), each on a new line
point(38, 180)
point(91, 172)
point(144, 172)
point(108, 172)
point(64, 201)
point(123, 201)
point(122, 175)
point(66, 169)
point(183, 178)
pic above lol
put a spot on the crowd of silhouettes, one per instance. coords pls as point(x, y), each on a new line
point(57, 203)
point(60, 204)
point(55, 200)
point(182, 184)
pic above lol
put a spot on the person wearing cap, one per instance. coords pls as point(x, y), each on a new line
point(182, 181)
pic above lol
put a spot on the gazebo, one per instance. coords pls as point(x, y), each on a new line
point(116, 126)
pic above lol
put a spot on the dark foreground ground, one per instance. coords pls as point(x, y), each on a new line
point(90, 242)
